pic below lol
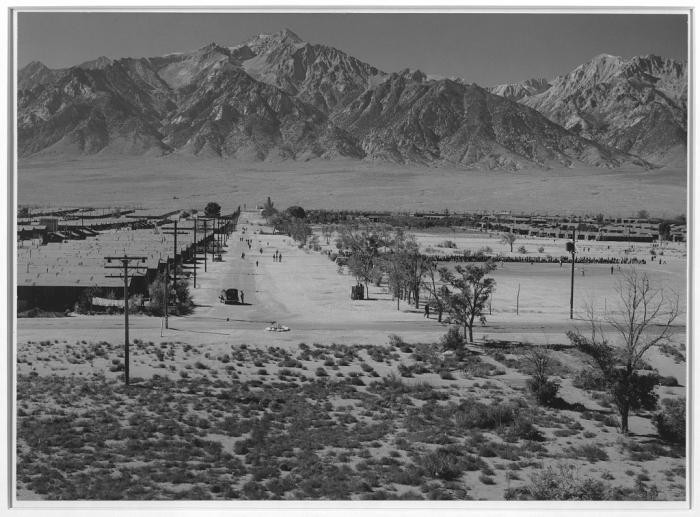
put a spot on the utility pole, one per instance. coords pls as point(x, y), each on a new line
point(175, 233)
point(571, 247)
point(175, 254)
point(166, 297)
point(126, 264)
point(195, 252)
point(205, 245)
point(218, 234)
point(213, 238)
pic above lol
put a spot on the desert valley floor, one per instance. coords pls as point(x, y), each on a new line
point(347, 184)
point(355, 401)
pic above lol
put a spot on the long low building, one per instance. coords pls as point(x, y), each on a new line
point(55, 271)
point(54, 276)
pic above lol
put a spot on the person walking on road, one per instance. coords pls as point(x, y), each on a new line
point(242, 297)
point(426, 314)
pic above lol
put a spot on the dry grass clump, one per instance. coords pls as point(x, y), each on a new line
point(277, 423)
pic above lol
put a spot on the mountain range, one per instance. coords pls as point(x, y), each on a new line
point(278, 97)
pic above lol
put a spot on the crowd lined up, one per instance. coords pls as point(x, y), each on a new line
point(535, 259)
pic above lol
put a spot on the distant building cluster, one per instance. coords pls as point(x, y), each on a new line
point(587, 228)
point(60, 255)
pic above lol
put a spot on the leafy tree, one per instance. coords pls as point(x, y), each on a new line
point(665, 230)
point(364, 257)
point(299, 231)
point(295, 211)
point(642, 214)
point(643, 319)
point(268, 209)
point(280, 223)
point(470, 290)
point(179, 296)
point(213, 209)
point(508, 238)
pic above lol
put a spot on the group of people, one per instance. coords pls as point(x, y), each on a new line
point(534, 259)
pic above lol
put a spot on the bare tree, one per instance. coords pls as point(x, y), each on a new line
point(438, 293)
point(391, 265)
point(415, 266)
point(470, 290)
point(327, 232)
point(643, 319)
point(539, 362)
point(508, 238)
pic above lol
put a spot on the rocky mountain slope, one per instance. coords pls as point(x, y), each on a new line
point(637, 105)
point(516, 91)
point(409, 118)
point(322, 76)
point(278, 97)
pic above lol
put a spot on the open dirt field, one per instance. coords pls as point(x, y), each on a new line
point(334, 408)
point(175, 181)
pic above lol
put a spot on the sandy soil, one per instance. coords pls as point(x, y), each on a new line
point(306, 292)
point(173, 182)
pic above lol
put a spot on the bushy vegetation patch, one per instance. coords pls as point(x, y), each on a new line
point(670, 421)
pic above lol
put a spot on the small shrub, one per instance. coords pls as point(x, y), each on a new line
point(487, 480)
point(592, 452)
point(544, 390)
point(443, 464)
point(396, 341)
point(563, 484)
point(453, 341)
point(669, 381)
point(670, 421)
point(589, 379)
point(446, 375)
point(405, 371)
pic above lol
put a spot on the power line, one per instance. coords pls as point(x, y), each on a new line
point(126, 265)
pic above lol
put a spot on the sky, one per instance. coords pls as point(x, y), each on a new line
point(483, 48)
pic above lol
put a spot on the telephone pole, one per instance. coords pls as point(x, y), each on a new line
point(205, 245)
point(571, 248)
point(182, 231)
point(213, 239)
point(174, 233)
point(126, 265)
point(166, 294)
